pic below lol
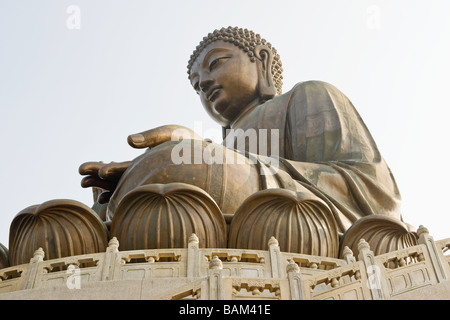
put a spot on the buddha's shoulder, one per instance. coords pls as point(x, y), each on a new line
point(309, 90)
point(311, 86)
point(314, 94)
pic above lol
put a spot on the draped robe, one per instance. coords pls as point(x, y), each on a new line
point(325, 147)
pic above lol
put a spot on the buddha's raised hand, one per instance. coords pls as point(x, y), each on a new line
point(106, 176)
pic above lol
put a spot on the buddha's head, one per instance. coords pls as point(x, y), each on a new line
point(232, 69)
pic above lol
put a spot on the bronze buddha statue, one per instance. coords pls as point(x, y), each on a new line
point(317, 184)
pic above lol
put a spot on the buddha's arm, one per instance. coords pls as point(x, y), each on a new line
point(331, 150)
point(323, 125)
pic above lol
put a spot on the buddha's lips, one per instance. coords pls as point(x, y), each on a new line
point(213, 93)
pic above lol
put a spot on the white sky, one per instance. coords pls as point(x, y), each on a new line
point(71, 96)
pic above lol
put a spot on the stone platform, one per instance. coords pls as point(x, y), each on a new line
point(195, 273)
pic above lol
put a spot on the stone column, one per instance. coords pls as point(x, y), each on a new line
point(295, 281)
point(427, 240)
point(216, 288)
point(110, 259)
point(33, 268)
point(349, 259)
point(192, 263)
point(275, 258)
point(372, 269)
point(348, 255)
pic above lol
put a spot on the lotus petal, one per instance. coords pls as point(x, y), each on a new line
point(61, 228)
point(384, 234)
point(158, 216)
point(301, 222)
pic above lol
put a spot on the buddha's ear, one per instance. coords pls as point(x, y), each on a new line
point(264, 60)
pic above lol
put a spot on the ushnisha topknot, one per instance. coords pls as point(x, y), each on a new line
point(246, 40)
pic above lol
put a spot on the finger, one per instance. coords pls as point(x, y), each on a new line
point(114, 170)
point(150, 138)
point(93, 181)
point(156, 136)
point(90, 168)
point(104, 197)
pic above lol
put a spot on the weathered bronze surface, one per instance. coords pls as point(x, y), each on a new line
point(285, 214)
point(324, 147)
point(312, 174)
point(384, 234)
point(4, 257)
point(165, 215)
point(62, 228)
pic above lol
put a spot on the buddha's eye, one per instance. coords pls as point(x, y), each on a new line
point(216, 62)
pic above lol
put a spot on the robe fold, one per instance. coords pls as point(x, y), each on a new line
point(325, 147)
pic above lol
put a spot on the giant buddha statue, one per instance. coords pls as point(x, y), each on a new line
point(300, 166)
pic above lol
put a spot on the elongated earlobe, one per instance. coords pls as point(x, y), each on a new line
point(266, 86)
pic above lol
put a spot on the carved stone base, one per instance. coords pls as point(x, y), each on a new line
point(195, 273)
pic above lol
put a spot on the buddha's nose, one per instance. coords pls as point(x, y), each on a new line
point(206, 84)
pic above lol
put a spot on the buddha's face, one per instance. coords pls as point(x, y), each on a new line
point(225, 79)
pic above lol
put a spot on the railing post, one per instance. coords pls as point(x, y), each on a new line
point(38, 257)
point(427, 240)
point(275, 258)
point(192, 263)
point(372, 269)
point(216, 288)
point(295, 281)
point(109, 262)
point(348, 255)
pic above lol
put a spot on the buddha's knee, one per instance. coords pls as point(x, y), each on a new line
point(228, 177)
point(301, 222)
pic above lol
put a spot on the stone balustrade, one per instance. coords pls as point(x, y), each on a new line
point(216, 273)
